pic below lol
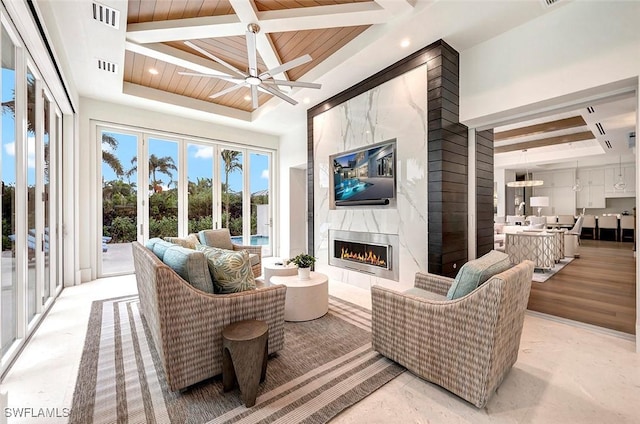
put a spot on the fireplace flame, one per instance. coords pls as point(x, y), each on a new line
point(368, 257)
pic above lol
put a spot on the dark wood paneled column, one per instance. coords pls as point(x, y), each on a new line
point(484, 192)
point(448, 165)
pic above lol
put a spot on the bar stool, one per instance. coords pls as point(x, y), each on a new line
point(608, 223)
point(589, 223)
point(627, 223)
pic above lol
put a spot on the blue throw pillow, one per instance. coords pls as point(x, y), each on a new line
point(151, 242)
point(161, 246)
point(191, 265)
point(475, 272)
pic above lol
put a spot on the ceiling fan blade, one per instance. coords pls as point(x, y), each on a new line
point(215, 58)
point(276, 92)
point(293, 83)
point(222, 77)
point(251, 53)
point(286, 66)
point(226, 91)
point(254, 96)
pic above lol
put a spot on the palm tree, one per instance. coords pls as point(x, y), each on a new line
point(231, 163)
point(162, 165)
point(109, 158)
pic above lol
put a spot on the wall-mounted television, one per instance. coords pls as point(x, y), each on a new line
point(364, 176)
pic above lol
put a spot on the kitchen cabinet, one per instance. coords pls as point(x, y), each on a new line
point(557, 186)
point(592, 193)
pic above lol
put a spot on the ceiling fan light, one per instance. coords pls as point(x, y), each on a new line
point(253, 80)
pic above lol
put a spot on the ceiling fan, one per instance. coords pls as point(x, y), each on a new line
point(255, 81)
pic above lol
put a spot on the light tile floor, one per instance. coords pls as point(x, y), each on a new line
point(564, 373)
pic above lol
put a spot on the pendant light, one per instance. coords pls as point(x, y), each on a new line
point(577, 186)
point(525, 182)
point(620, 184)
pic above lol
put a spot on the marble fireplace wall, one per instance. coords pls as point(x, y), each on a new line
point(395, 109)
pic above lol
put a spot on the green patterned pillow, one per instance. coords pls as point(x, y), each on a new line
point(230, 270)
point(475, 272)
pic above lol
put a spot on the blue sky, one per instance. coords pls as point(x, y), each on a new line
point(199, 162)
point(199, 158)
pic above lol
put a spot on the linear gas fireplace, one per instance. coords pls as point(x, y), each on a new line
point(370, 253)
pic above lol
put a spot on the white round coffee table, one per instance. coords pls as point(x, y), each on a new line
point(306, 299)
point(271, 270)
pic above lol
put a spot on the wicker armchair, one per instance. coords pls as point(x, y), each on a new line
point(466, 345)
point(221, 238)
point(186, 324)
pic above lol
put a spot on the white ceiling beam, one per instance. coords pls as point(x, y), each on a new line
point(395, 6)
point(298, 19)
point(183, 101)
point(246, 12)
point(319, 17)
point(185, 29)
point(177, 57)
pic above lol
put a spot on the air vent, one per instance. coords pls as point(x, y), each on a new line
point(107, 66)
point(608, 143)
point(549, 3)
point(590, 109)
point(600, 129)
point(106, 15)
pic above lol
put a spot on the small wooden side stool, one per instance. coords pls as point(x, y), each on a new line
point(244, 357)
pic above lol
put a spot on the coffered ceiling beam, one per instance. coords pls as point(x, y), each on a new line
point(550, 141)
point(185, 29)
point(298, 19)
point(177, 57)
point(319, 17)
point(183, 101)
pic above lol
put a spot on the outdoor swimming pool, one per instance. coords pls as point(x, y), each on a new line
point(256, 240)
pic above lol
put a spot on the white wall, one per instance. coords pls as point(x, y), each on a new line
point(292, 153)
point(92, 111)
point(582, 45)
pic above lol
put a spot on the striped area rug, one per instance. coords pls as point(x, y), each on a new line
point(326, 366)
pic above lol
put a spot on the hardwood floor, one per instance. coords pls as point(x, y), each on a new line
point(598, 288)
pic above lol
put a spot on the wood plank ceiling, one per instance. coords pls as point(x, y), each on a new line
point(540, 134)
point(320, 43)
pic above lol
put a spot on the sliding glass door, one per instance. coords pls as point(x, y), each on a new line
point(162, 164)
point(259, 189)
point(186, 186)
point(9, 264)
point(200, 187)
point(120, 216)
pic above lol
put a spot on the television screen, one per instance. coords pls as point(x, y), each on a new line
point(365, 176)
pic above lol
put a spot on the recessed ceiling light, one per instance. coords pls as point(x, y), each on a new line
point(405, 43)
point(306, 100)
point(153, 71)
point(247, 98)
